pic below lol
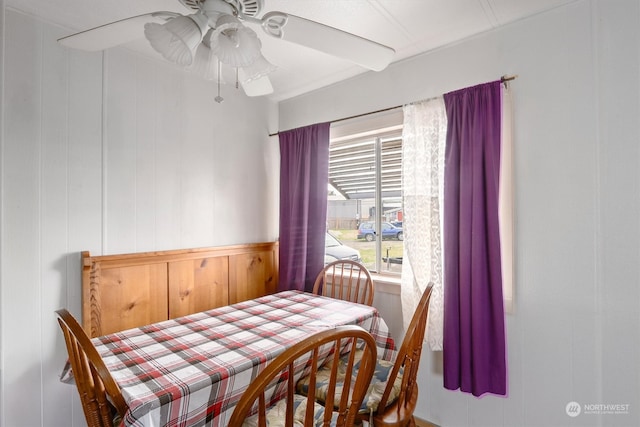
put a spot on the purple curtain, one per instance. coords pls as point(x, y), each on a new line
point(304, 174)
point(474, 337)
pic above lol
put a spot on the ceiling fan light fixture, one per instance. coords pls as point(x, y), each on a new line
point(177, 39)
point(260, 68)
point(205, 64)
point(233, 43)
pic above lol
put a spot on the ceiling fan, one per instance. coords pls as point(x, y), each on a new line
point(214, 38)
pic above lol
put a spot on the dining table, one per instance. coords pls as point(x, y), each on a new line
point(192, 370)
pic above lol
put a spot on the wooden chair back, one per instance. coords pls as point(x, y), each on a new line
point(101, 397)
point(400, 412)
point(305, 358)
point(347, 280)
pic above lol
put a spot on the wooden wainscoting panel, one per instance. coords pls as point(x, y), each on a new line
point(198, 285)
point(252, 275)
point(127, 297)
point(123, 291)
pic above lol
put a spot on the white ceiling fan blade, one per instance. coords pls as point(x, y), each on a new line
point(114, 33)
point(324, 38)
point(258, 87)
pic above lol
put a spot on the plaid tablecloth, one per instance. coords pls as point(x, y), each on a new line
point(191, 371)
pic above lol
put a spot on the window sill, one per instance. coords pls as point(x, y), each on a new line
point(387, 284)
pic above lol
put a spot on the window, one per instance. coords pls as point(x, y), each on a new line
point(365, 189)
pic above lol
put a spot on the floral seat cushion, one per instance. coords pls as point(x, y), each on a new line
point(276, 414)
point(374, 392)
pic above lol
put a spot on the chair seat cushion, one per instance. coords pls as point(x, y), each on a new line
point(374, 392)
point(276, 414)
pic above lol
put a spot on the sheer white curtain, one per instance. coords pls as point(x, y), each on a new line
point(423, 146)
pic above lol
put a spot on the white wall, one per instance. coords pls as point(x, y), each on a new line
point(575, 331)
point(109, 153)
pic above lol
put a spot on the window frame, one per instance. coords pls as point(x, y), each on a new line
point(376, 128)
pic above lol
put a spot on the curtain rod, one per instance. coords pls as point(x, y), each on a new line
point(503, 79)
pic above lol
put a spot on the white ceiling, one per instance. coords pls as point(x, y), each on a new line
point(408, 26)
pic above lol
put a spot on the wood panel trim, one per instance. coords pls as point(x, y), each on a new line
point(130, 259)
point(97, 294)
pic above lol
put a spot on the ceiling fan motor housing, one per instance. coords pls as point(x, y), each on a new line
point(243, 7)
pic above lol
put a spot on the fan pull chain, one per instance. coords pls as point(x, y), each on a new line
point(218, 98)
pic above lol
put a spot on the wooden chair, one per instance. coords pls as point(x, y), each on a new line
point(347, 280)
point(101, 398)
point(305, 358)
point(393, 392)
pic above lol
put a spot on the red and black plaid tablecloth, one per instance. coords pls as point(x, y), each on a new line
point(191, 371)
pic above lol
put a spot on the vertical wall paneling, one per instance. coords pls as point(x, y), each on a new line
point(200, 127)
point(619, 181)
point(168, 157)
point(21, 228)
point(146, 135)
point(2, 144)
point(53, 213)
point(251, 222)
point(121, 151)
point(84, 186)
